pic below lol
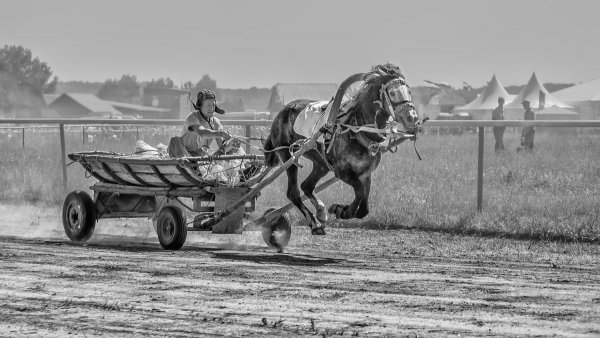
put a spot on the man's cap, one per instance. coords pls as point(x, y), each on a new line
point(525, 101)
point(501, 98)
point(207, 94)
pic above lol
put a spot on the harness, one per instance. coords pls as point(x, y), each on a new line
point(389, 133)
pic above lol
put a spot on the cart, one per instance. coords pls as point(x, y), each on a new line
point(158, 188)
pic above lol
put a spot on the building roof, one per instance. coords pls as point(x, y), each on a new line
point(531, 93)
point(49, 98)
point(488, 99)
point(163, 90)
point(288, 92)
point(447, 97)
point(587, 91)
point(91, 102)
point(137, 107)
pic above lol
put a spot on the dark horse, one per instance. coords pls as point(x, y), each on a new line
point(351, 154)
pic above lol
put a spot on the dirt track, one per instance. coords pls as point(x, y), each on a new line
point(352, 282)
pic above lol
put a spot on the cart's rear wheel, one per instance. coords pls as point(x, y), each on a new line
point(79, 216)
point(277, 232)
point(171, 228)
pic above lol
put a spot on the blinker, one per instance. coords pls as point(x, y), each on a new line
point(398, 93)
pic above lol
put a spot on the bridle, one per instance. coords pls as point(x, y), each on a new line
point(385, 102)
point(390, 131)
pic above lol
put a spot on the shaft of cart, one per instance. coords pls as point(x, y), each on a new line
point(311, 144)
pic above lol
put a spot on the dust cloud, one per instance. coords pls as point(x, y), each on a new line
point(45, 223)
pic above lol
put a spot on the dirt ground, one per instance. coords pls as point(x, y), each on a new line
point(351, 283)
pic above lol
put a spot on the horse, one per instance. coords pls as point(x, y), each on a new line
point(351, 148)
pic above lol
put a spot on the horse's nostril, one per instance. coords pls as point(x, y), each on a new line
point(410, 118)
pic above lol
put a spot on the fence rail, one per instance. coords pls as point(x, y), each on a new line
point(480, 124)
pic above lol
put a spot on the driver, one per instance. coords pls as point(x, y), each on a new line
point(202, 127)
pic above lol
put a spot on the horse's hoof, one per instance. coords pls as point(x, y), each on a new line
point(318, 231)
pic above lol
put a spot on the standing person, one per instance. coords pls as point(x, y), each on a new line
point(498, 114)
point(528, 132)
point(202, 127)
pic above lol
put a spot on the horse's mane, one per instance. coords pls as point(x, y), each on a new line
point(377, 75)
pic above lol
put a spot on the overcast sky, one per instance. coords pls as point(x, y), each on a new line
point(261, 42)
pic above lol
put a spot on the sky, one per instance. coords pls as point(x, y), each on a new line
point(243, 43)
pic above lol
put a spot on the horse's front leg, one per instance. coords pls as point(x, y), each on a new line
point(359, 208)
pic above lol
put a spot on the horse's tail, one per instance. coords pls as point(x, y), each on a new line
point(271, 158)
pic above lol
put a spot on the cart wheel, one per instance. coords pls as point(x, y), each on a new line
point(79, 216)
point(277, 232)
point(171, 228)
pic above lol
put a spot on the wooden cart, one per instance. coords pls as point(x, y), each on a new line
point(161, 188)
point(165, 190)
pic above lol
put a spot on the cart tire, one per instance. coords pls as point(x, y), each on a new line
point(79, 216)
point(278, 231)
point(171, 228)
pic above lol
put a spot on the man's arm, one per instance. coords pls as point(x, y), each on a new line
point(210, 133)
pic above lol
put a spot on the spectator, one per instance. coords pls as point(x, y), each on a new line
point(498, 115)
point(528, 132)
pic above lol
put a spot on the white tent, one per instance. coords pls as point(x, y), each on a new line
point(482, 106)
point(587, 91)
point(557, 113)
point(538, 97)
point(584, 97)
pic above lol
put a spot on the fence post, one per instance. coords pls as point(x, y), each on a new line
point(84, 136)
point(23, 130)
point(137, 133)
point(63, 154)
point(248, 135)
point(480, 171)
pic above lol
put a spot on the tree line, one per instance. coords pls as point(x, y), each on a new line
point(22, 74)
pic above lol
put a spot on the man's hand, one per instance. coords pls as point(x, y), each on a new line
point(225, 135)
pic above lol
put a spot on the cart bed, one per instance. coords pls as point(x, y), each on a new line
point(165, 172)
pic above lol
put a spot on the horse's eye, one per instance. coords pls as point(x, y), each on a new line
point(393, 94)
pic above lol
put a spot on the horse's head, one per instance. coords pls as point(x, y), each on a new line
point(384, 95)
point(396, 101)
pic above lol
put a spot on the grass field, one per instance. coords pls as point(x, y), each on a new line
point(550, 194)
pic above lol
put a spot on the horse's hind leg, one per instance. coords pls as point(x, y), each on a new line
point(319, 170)
point(293, 194)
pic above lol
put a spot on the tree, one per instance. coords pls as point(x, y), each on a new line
point(206, 83)
point(126, 89)
point(160, 83)
point(20, 63)
point(188, 85)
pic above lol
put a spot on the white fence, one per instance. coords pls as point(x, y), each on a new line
point(480, 124)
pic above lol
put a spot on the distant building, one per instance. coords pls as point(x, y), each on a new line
point(284, 93)
point(444, 102)
point(81, 106)
point(139, 111)
point(169, 98)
